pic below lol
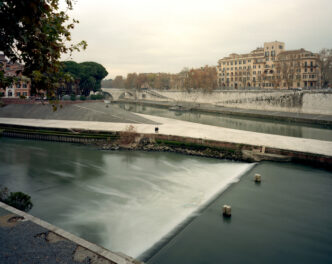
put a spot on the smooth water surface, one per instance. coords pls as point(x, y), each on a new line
point(124, 201)
point(285, 219)
point(291, 129)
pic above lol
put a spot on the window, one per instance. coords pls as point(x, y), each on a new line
point(18, 85)
point(280, 47)
point(240, 68)
point(18, 94)
point(235, 62)
point(240, 61)
point(249, 61)
point(25, 93)
point(266, 54)
point(244, 62)
point(273, 53)
point(10, 93)
point(244, 67)
point(231, 63)
point(235, 68)
point(24, 85)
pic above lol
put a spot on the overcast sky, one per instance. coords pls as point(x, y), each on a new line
point(165, 36)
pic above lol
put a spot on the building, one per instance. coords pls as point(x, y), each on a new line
point(270, 67)
point(21, 86)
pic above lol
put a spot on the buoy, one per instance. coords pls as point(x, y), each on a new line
point(258, 177)
point(227, 210)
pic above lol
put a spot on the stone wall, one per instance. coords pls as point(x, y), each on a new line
point(310, 102)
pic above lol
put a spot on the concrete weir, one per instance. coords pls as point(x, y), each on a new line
point(177, 136)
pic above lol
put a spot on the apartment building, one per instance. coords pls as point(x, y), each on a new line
point(270, 67)
point(21, 86)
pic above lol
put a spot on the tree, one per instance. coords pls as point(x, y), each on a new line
point(287, 66)
point(118, 82)
point(35, 33)
point(204, 78)
point(325, 64)
point(131, 81)
point(107, 83)
point(90, 74)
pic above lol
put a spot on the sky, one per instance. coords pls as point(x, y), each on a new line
point(165, 36)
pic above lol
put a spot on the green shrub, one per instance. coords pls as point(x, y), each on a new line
point(19, 200)
point(82, 98)
point(93, 97)
point(73, 97)
point(22, 97)
point(99, 97)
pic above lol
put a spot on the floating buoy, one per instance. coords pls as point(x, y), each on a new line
point(258, 177)
point(227, 210)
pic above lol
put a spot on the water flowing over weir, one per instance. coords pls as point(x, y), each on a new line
point(124, 201)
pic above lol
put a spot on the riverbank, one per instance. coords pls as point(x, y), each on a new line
point(263, 114)
point(175, 136)
point(25, 238)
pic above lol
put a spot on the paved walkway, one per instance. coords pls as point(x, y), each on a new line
point(174, 127)
point(27, 239)
point(83, 112)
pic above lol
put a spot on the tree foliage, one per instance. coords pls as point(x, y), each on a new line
point(19, 200)
point(325, 63)
point(90, 74)
point(35, 33)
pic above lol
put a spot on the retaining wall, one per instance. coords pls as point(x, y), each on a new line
point(308, 102)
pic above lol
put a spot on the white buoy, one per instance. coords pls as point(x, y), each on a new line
point(258, 177)
point(227, 210)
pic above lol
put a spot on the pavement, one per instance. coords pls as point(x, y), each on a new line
point(27, 239)
point(83, 112)
point(175, 127)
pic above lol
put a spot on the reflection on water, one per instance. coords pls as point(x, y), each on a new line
point(248, 124)
point(124, 201)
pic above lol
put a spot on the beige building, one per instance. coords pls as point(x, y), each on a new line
point(270, 67)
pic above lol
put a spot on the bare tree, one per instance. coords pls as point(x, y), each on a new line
point(325, 64)
point(287, 66)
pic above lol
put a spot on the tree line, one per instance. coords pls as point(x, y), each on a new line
point(204, 78)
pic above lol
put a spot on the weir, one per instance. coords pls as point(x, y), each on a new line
point(177, 136)
point(125, 201)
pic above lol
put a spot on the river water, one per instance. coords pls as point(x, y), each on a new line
point(267, 126)
point(166, 207)
point(124, 201)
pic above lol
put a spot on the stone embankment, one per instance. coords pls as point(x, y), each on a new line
point(129, 139)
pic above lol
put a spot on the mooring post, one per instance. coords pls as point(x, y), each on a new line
point(257, 178)
point(227, 210)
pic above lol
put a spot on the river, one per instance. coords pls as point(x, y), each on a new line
point(267, 126)
point(125, 201)
point(166, 207)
